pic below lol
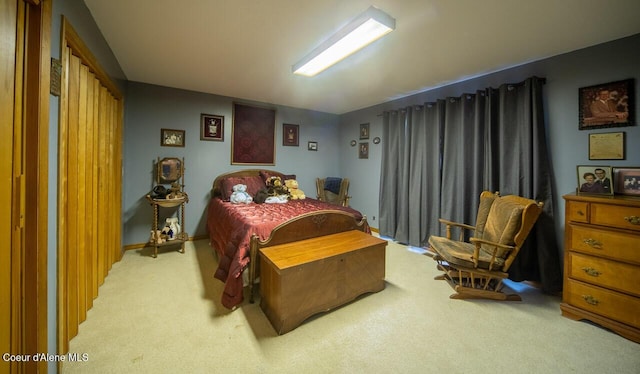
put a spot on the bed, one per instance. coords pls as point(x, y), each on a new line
point(231, 226)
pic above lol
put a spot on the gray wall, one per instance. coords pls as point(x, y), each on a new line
point(565, 74)
point(150, 108)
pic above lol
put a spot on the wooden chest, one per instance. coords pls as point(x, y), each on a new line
point(300, 279)
point(602, 262)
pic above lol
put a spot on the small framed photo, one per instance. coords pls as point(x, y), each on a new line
point(363, 150)
point(171, 138)
point(364, 131)
point(290, 134)
point(606, 105)
point(211, 127)
point(312, 146)
point(627, 181)
point(595, 179)
point(606, 146)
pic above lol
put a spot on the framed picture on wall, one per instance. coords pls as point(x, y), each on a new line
point(253, 135)
point(363, 150)
point(171, 138)
point(595, 180)
point(606, 146)
point(606, 105)
point(211, 127)
point(364, 131)
point(290, 134)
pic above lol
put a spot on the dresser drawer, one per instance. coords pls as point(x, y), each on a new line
point(605, 243)
point(604, 273)
point(577, 211)
point(620, 307)
point(615, 216)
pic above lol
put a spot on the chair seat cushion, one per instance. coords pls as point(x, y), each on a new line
point(459, 253)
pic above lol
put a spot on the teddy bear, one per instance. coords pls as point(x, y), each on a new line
point(156, 237)
point(275, 192)
point(294, 191)
point(240, 195)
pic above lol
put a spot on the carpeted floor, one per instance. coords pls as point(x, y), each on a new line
point(164, 315)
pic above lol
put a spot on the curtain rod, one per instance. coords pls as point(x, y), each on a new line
point(542, 80)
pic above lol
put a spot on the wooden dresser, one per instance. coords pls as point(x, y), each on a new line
point(602, 262)
point(300, 279)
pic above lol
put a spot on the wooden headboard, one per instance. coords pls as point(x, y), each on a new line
point(216, 188)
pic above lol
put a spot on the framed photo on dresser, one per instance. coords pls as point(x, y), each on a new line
point(627, 181)
point(594, 179)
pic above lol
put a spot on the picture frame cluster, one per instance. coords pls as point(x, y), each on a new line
point(604, 106)
point(607, 180)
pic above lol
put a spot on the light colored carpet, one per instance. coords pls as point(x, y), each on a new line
point(164, 315)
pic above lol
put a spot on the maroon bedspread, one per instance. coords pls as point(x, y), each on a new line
point(231, 226)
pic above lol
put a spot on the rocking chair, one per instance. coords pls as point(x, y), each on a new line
point(333, 190)
point(477, 269)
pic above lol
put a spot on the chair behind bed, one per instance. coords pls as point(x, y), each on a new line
point(306, 226)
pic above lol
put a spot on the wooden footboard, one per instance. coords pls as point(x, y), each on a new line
point(306, 226)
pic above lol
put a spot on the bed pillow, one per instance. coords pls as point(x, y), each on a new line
point(254, 184)
point(266, 175)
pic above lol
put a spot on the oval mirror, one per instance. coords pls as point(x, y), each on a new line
point(169, 170)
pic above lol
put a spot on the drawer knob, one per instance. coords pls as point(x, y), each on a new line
point(591, 271)
point(580, 213)
point(634, 220)
point(590, 299)
point(593, 243)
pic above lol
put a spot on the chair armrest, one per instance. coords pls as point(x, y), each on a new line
point(450, 224)
point(476, 251)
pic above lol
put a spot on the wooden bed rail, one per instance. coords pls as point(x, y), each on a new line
point(306, 226)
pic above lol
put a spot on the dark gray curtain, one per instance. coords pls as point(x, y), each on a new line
point(409, 186)
point(517, 163)
point(440, 157)
point(462, 161)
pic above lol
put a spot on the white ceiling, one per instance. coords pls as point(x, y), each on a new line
point(245, 48)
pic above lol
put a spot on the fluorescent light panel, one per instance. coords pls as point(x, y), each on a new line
point(362, 31)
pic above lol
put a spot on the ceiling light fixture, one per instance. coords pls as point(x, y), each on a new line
point(360, 32)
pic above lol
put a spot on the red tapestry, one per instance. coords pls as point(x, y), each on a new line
point(253, 135)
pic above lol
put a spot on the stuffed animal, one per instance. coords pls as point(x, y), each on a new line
point(276, 192)
point(156, 237)
point(240, 195)
point(275, 187)
point(175, 192)
point(173, 224)
point(167, 233)
point(294, 191)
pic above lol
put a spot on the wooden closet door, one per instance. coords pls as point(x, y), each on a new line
point(89, 184)
point(25, 27)
point(8, 200)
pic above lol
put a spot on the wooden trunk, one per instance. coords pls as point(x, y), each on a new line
point(315, 275)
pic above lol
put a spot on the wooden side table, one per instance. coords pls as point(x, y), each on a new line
point(182, 236)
